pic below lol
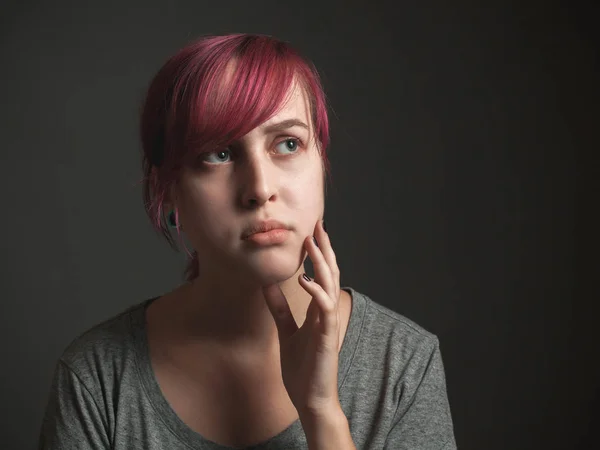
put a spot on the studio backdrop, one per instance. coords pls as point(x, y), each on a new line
point(456, 131)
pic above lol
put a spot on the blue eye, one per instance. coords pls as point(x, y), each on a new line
point(294, 144)
point(219, 154)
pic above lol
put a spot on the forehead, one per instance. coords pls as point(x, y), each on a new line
point(295, 106)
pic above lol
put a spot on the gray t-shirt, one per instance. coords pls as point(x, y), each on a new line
point(391, 378)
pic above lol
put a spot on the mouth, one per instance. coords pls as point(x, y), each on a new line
point(270, 237)
point(264, 227)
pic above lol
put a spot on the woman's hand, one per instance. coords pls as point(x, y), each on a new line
point(309, 354)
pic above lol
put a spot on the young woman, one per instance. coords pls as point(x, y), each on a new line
point(249, 352)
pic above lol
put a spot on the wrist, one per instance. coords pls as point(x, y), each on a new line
point(327, 429)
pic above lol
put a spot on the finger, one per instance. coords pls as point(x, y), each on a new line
point(280, 310)
point(323, 275)
point(329, 255)
point(327, 306)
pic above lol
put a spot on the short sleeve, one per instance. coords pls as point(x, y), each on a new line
point(72, 419)
point(426, 424)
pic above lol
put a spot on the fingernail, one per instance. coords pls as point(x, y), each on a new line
point(306, 277)
point(315, 241)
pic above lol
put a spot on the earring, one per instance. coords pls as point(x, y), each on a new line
point(171, 219)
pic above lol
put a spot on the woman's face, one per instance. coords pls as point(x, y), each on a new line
point(268, 174)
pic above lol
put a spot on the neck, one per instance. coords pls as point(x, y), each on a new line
point(234, 313)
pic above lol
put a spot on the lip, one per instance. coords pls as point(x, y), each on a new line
point(274, 236)
point(264, 227)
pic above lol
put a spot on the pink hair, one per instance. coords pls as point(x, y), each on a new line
point(189, 109)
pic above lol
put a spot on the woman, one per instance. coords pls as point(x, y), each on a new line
point(249, 351)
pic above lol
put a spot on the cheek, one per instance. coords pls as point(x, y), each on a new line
point(206, 206)
point(307, 194)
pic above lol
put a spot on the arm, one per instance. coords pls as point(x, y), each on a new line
point(426, 424)
point(73, 419)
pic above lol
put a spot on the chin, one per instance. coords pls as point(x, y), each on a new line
point(274, 268)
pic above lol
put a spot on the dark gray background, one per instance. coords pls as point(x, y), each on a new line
point(463, 143)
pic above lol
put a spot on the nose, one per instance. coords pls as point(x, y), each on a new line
point(258, 181)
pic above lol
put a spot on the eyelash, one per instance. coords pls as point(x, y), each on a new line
point(298, 142)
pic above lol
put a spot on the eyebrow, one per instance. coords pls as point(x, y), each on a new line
point(284, 125)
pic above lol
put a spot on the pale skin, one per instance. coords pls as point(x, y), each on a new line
point(250, 310)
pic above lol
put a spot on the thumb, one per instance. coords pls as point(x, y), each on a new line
point(280, 310)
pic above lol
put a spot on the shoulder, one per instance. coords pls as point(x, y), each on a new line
point(104, 348)
point(385, 333)
point(400, 362)
point(381, 319)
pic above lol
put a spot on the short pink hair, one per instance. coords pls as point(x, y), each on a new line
point(188, 110)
